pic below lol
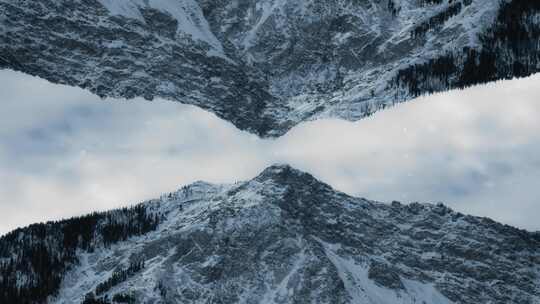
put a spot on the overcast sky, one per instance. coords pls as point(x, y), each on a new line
point(65, 152)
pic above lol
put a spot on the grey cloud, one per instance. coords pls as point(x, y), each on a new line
point(64, 151)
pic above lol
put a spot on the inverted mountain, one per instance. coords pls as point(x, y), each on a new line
point(268, 65)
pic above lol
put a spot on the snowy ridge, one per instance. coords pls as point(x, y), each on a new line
point(187, 12)
point(285, 237)
point(268, 65)
point(363, 290)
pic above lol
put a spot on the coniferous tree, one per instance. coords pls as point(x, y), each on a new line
point(33, 260)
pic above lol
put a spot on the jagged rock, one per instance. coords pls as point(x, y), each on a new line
point(268, 65)
point(385, 275)
point(282, 237)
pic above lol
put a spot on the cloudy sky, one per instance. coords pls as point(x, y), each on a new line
point(65, 152)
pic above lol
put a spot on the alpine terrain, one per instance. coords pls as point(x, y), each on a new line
point(282, 237)
point(268, 65)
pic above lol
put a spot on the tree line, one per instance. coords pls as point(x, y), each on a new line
point(33, 260)
point(510, 48)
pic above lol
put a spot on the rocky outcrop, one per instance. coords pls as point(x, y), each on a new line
point(285, 237)
point(268, 65)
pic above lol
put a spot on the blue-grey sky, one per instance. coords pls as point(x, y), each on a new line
point(65, 152)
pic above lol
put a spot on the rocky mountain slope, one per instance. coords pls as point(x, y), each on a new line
point(282, 237)
point(268, 65)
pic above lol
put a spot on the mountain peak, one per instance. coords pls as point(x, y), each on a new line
point(268, 65)
point(280, 171)
point(281, 237)
point(278, 167)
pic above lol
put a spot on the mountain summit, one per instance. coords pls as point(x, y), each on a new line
point(268, 65)
point(282, 237)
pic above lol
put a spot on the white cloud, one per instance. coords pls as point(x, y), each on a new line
point(64, 152)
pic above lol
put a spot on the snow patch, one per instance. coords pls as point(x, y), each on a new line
point(364, 290)
point(267, 9)
point(188, 13)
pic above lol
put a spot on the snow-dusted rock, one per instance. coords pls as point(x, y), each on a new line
point(285, 237)
point(268, 65)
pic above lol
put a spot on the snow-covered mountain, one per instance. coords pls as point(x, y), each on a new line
point(267, 65)
point(282, 237)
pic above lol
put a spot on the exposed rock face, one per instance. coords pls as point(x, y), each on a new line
point(285, 237)
point(268, 65)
